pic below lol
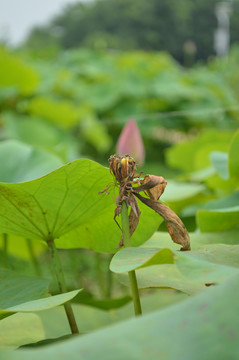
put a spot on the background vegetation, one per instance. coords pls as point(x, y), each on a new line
point(62, 103)
point(185, 29)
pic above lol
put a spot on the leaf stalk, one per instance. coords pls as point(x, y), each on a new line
point(57, 268)
point(131, 274)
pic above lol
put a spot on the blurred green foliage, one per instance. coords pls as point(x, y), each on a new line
point(75, 103)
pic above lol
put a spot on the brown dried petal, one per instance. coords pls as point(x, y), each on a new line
point(176, 228)
point(133, 217)
point(153, 185)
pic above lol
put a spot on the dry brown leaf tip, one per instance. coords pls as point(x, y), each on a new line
point(158, 184)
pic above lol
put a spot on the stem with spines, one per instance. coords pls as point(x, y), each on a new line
point(132, 275)
point(57, 268)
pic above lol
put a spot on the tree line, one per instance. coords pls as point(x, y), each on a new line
point(184, 28)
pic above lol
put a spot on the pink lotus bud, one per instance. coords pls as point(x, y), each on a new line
point(130, 142)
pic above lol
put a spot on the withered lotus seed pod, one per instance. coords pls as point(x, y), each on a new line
point(123, 167)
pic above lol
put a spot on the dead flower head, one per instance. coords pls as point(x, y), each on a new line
point(130, 185)
point(122, 167)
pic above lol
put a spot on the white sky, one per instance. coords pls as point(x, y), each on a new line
point(17, 17)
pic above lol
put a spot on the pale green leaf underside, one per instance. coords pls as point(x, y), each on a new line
point(39, 304)
point(168, 267)
point(16, 289)
point(24, 162)
point(134, 258)
point(219, 161)
point(209, 317)
point(218, 219)
point(52, 323)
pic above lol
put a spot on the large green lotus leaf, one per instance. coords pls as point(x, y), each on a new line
point(219, 161)
point(200, 270)
point(89, 319)
point(233, 156)
point(21, 162)
point(163, 239)
point(31, 130)
point(222, 186)
point(194, 154)
point(209, 264)
point(133, 258)
point(203, 155)
point(16, 289)
point(95, 133)
point(39, 304)
point(20, 329)
point(219, 254)
point(177, 191)
point(91, 235)
point(59, 112)
point(19, 247)
point(15, 73)
point(180, 194)
point(202, 174)
point(102, 96)
point(222, 203)
point(212, 263)
point(218, 219)
point(164, 276)
point(203, 327)
point(39, 133)
point(53, 323)
point(64, 200)
point(220, 248)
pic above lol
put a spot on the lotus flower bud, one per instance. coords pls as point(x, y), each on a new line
point(130, 142)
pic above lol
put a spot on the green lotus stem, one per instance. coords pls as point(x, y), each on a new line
point(132, 275)
point(57, 268)
point(5, 254)
point(33, 257)
point(100, 274)
point(109, 281)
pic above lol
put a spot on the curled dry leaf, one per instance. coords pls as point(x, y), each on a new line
point(153, 185)
point(175, 226)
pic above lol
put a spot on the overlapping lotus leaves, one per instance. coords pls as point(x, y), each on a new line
point(188, 272)
point(16, 289)
point(27, 294)
point(209, 317)
point(40, 304)
point(134, 258)
point(164, 276)
point(51, 324)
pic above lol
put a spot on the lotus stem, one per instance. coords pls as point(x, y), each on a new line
point(132, 275)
